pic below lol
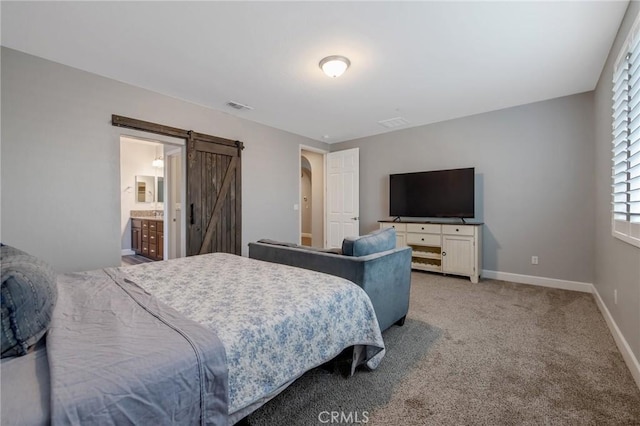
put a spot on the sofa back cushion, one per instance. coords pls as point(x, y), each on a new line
point(375, 242)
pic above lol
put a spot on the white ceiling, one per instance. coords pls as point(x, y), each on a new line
point(422, 61)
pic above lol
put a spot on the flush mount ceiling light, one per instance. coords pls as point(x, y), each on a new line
point(334, 66)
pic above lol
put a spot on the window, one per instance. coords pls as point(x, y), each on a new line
point(625, 216)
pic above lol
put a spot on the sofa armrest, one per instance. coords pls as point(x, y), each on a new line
point(387, 281)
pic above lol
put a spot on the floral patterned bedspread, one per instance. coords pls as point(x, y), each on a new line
point(275, 321)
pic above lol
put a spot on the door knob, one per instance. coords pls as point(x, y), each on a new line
point(355, 218)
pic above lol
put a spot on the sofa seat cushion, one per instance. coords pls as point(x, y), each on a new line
point(375, 242)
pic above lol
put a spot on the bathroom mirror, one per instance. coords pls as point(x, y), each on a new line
point(145, 189)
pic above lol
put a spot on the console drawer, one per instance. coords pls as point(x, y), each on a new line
point(458, 230)
point(399, 227)
point(423, 239)
point(430, 228)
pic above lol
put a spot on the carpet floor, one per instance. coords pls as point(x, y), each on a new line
point(134, 259)
point(493, 353)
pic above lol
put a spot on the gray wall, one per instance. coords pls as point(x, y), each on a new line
point(60, 161)
point(617, 264)
point(534, 181)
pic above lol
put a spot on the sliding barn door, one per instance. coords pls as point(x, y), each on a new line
point(213, 195)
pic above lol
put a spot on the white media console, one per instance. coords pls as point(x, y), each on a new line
point(441, 247)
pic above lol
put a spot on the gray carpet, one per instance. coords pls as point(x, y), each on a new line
point(324, 390)
point(493, 353)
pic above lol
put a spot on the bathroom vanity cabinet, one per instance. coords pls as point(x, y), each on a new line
point(147, 237)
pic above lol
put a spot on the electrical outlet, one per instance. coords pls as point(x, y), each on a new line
point(534, 260)
point(615, 296)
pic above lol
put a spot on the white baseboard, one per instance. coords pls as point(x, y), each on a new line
point(621, 342)
point(540, 281)
point(127, 252)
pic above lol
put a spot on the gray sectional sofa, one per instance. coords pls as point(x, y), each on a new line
point(371, 261)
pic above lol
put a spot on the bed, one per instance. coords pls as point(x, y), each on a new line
point(201, 340)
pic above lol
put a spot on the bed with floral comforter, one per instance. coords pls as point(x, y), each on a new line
point(275, 322)
point(200, 340)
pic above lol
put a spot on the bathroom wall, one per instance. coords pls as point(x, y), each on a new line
point(316, 160)
point(135, 159)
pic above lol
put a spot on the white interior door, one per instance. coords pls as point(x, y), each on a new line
point(343, 196)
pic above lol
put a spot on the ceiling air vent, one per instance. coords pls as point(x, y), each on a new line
point(392, 123)
point(238, 105)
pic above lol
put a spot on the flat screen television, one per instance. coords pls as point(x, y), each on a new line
point(438, 193)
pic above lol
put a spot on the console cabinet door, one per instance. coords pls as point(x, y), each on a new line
point(458, 255)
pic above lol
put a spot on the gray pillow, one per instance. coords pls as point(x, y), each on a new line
point(375, 242)
point(28, 296)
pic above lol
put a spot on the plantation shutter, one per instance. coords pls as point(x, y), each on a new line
point(626, 142)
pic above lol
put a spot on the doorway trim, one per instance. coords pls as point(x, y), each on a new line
point(324, 153)
point(170, 174)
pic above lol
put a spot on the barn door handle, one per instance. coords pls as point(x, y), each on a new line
point(192, 220)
